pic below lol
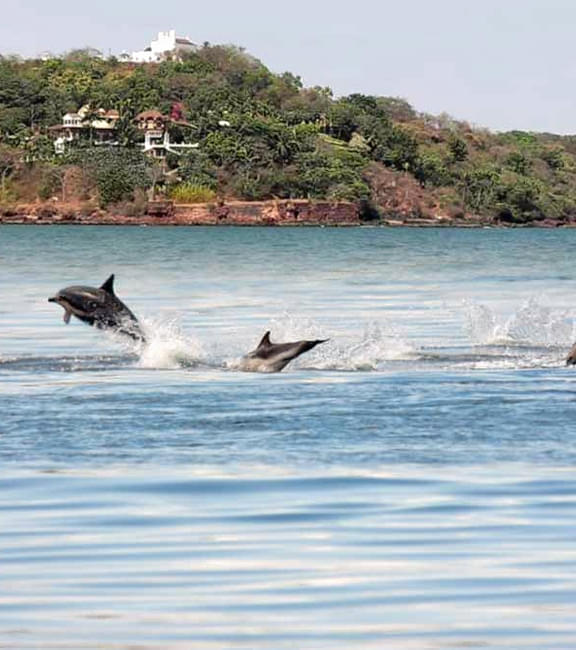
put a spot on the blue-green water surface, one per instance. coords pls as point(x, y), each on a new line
point(407, 485)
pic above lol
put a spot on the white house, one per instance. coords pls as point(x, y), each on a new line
point(166, 45)
point(157, 141)
point(99, 124)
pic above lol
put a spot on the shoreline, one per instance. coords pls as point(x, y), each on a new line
point(274, 213)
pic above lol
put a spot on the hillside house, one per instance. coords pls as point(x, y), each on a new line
point(98, 125)
point(100, 128)
point(155, 128)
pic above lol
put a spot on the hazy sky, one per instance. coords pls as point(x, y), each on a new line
point(498, 63)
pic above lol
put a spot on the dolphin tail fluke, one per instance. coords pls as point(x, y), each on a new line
point(314, 343)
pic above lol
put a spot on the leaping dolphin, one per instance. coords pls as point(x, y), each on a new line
point(99, 307)
point(274, 357)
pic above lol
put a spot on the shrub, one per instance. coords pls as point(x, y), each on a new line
point(351, 191)
point(518, 162)
point(192, 193)
point(7, 194)
point(554, 157)
point(458, 149)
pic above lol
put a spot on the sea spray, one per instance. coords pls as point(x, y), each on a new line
point(168, 347)
point(532, 324)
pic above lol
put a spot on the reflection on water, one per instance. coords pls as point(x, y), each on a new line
point(405, 560)
point(408, 484)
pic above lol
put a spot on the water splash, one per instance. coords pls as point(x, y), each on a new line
point(531, 337)
point(533, 324)
point(167, 347)
point(378, 343)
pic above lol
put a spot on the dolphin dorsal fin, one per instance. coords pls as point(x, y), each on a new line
point(108, 286)
point(265, 342)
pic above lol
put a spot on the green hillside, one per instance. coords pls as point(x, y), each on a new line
point(261, 135)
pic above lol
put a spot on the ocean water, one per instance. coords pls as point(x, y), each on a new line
point(409, 484)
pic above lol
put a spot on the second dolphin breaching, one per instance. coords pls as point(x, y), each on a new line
point(101, 308)
point(273, 357)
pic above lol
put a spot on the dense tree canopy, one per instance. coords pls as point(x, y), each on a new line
point(262, 135)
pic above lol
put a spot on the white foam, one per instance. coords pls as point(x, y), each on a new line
point(167, 347)
point(533, 324)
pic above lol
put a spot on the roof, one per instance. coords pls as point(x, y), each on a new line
point(101, 125)
point(184, 41)
point(150, 115)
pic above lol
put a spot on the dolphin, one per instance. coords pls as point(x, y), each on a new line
point(571, 359)
point(274, 357)
point(99, 307)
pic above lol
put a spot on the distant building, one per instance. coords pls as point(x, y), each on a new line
point(155, 128)
point(100, 125)
point(166, 46)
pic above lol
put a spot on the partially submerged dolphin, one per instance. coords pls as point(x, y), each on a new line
point(273, 357)
point(99, 307)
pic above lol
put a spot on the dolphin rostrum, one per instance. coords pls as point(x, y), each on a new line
point(99, 307)
point(273, 357)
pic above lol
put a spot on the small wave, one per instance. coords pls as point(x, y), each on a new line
point(81, 363)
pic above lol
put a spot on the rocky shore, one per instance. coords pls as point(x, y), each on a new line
point(237, 213)
point(159, 213)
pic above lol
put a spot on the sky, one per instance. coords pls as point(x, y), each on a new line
point(501, 64)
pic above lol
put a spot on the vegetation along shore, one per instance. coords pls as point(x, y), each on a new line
point(214, 137)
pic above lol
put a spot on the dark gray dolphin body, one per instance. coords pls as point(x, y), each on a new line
point(99, 307)
point(273, 357)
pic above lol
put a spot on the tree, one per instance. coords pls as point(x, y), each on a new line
point(518, 162)
point(118, 172)
point(390, 144)
point(480, 187)
point(554, 157)
point(396, 109)
point(431, 169)
point(9, 160)
point(197, 168)
point(458, 149)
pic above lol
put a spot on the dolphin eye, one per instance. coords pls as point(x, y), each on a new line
point(92, 305)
